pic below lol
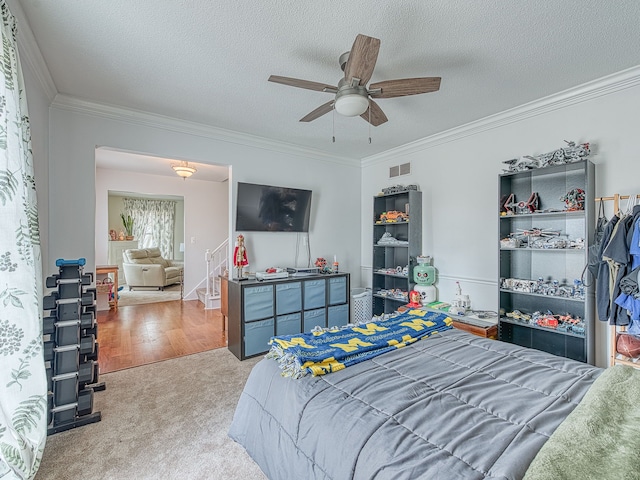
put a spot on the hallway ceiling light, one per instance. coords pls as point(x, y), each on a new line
point(183, 169)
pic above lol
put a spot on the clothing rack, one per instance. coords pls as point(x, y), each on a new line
point(616, 200)
point(615, 329)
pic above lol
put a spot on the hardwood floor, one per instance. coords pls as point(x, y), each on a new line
point(139, 334)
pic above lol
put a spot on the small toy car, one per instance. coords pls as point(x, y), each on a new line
point(393, 216)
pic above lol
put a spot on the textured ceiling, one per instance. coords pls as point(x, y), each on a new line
point(208, 61)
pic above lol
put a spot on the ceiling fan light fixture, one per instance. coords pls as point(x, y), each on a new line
point(183, 169)
point(351, 105)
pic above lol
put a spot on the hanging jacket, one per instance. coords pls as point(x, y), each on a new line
point(603, 300)
point(629, 299)
point(617, 255)
point(634, 246)
point(594, 254)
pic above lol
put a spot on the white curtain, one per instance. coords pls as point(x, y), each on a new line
point(23, 387)
point(153, 223)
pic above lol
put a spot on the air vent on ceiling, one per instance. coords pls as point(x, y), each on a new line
point(398, 170)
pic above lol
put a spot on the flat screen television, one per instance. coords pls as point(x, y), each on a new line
point(266, 208)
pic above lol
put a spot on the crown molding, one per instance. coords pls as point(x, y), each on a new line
point(153, 120)
point(582, 93)
point(30, 52)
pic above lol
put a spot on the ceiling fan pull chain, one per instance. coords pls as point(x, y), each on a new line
point(333, 125)
point(369, 123)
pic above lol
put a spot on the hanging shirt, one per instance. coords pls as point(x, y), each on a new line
point(603, 299)
point(629, 299)
point(617, 255)
point(634, 246)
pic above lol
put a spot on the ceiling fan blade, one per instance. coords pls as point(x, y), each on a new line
point(296, 82)
point(377, 115)
point(405, 86)
point(318, 112)
point(362, 59)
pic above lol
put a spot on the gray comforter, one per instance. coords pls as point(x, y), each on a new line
point(452, 406)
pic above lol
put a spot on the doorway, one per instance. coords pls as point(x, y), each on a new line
point(204, 219)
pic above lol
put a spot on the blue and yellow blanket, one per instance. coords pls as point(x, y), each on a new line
point(327, 351)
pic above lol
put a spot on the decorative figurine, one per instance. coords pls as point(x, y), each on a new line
point(414, 299)
point(393, 216)
point(461, 302)
point(398, 189)
point(322, 265)
point(425, 276)
point(240, 256)
point(574, 199)
point(571, 153)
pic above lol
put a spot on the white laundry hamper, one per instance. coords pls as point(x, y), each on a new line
point(361, 305)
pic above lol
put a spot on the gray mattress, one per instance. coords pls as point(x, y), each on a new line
point(452, 406)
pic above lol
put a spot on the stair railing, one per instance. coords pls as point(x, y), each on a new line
point(216, 265)
point(216, 262)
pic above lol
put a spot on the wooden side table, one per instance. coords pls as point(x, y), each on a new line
point(481, 331)
point(106, 269)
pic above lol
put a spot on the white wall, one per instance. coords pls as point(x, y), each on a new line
point(458, 174)
point(76, 131)
point(206, 215)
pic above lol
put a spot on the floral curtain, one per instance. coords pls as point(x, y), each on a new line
point(153, 223)
point(23, 387)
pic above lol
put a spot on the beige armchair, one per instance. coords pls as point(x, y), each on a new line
point(145, 267)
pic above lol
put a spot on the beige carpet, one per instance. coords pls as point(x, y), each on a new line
point(168, 420)
point(141, 295)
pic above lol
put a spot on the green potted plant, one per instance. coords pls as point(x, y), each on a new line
point(127, 222)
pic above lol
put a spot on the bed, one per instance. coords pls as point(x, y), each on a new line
point(451, 406)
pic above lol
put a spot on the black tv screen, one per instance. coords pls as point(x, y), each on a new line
point(265, 208)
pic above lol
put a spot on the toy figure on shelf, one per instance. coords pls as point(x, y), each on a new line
point(574, 199)
point(461, 303)
point(414, 299)
point(321, 263)
point(240, 256)
point(425, 276)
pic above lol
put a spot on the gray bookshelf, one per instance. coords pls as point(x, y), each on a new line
point(533, 260)
point(387, 257)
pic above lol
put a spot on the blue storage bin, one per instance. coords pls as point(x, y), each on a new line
point(314, 294)
point(257, 336)
point(313, 318)
point(288, 324)
point(288, 297)
point(337, 290)
point(338, 315)
point(258, 302)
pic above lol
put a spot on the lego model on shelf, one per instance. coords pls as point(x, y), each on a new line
point(397, 242)
point(543, 249)
point(70, 347)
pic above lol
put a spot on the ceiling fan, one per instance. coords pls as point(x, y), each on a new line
point(352, 96)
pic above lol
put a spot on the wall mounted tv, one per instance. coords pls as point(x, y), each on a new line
point(265, 208)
